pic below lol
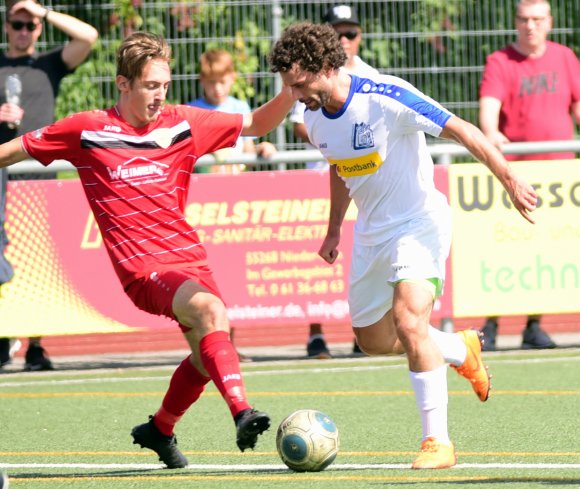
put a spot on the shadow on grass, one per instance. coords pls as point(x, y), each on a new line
point(257, 475)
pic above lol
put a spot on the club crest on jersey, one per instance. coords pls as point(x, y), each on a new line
point(362, 136)
point(162, 137)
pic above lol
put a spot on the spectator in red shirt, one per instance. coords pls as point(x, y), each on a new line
point(530, 91)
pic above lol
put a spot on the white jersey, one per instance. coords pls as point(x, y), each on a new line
point(360, 69)
point(377, 143)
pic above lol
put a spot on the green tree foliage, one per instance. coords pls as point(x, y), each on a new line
point(191, 28)
point(438, 45)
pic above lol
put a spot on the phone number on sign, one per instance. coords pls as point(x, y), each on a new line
point(296, 288)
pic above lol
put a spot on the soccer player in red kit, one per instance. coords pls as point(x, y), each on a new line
point(135, 162)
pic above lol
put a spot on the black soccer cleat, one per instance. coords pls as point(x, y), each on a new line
point(36, 359)
point(316, 348)
point(148, 436)
point(249, 424)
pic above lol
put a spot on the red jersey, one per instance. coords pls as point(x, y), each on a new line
point(536, 95)
point(136, 179)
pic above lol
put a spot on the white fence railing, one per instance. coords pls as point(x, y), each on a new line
point(442, 154)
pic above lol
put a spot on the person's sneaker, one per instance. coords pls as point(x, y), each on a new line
point(147, 435)
point(535, 337)
point(5, 357)
point(473, 368)
point(36, 359)
point(489, 332)
point(8, 348)
point(15, 345)
point(316, 348)
point(249, 424)
point(435, 455)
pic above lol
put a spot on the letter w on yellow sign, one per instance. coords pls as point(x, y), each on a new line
point(356, 167)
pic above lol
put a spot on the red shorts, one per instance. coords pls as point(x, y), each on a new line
point(154, 293)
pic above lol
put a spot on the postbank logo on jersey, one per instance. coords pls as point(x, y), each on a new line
point(362, 138)
point(138, 171)
point(356, 167)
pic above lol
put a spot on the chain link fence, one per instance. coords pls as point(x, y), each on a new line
point(438, 45)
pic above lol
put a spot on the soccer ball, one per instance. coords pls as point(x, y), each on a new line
point(307, 441)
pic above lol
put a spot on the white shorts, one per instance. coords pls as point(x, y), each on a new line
point(416, 250)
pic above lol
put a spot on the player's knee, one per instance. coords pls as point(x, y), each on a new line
point(205, 316)
point(409, 321)
point(411, 334)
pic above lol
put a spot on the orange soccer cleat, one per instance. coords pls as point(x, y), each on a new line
point(473, 368)
point(435, 455)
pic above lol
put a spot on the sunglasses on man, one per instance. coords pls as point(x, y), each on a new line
point(18, 25)
point(350, 35)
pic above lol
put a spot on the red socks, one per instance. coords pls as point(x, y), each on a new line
point(220, 359)
point(186, 385)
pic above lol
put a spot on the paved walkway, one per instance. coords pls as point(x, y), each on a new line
point(256, 354)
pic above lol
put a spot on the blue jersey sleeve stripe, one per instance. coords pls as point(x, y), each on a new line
point(421, 106)
point(409, 99)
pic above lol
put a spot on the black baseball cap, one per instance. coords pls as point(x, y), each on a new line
point(341, 14)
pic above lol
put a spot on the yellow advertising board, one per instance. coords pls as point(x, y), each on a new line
point(503, 265)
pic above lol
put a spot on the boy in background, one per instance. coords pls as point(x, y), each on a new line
point(217, 76)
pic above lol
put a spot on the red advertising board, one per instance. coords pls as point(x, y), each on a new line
point(262, 231)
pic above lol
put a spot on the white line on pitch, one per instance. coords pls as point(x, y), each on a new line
point(255, 467)
point(283, 371)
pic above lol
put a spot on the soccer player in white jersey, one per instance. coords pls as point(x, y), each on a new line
point(371, 131)
point(345, 22)
point(135, 162)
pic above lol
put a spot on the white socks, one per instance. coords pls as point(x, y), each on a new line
point(451, 346)
point(431, 396)
point(431, 387)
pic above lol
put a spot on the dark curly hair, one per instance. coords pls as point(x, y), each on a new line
point(313, 47)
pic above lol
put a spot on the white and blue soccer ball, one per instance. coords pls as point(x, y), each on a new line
point(307, 441)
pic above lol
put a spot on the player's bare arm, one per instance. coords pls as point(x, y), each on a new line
point(268, 116)
point(339, 202)
point(521, 193)
point(82, 35)
point(12, 152)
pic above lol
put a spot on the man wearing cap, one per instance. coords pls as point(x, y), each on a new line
point(344, 20)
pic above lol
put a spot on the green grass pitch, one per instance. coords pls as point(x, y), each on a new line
point(71, 428)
